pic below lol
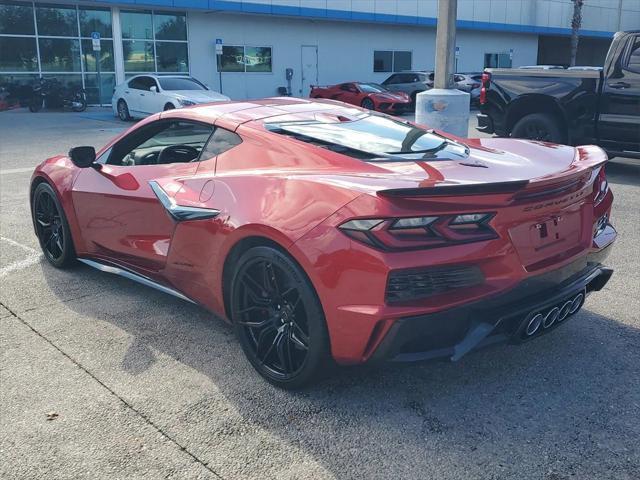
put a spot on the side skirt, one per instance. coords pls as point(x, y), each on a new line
point(135, 277)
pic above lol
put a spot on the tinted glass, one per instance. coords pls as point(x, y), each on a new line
point(105, 54)
point(371, 88)
point(232, 59)
point(95, 20)
point(634, 58)
point(392, 80)
point(18, 54)
point(170, 26)
point(257, 59)
point(16, 18)
point(59, 55)
point(136, 24)
point(401, 61)
point(138, 56)
point(108, 81)
point(221, 141)
point(57, 21)
point(17, 89)
point(382, 61)
point(71, 82)
point(372, 134)
point(172, 57)
point(181, 84)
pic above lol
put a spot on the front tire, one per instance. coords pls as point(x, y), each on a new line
point(539, 126)
point(169, 106)
point(81, 102)
point(52, 227)
point(368, 104)
point(123, 111)
point(278, 318)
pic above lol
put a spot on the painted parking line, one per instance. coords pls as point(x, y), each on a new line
point(9, 171)
point(33, 257)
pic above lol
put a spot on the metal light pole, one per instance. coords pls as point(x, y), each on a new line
point(443, 107)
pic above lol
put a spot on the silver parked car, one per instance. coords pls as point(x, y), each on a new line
point(411, 83)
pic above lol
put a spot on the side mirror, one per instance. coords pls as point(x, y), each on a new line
point(82, 157)
point(154, 89)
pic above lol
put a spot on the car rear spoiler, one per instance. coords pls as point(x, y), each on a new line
point(464, 189)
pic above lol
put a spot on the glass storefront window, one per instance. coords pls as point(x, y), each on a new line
point(59, 55)
point(170, 26)
point(15, 90)
point(136, 25)
point(257, 59)
point(57, 21)
point(18, 54)
point(105, 55)
point(108, 81)
point(16, 18)
point(172, 57)
point(138, 56)
point(232, 59)
point(95, 20)
point(70, 81)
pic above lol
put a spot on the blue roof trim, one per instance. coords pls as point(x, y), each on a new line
point(308, 12)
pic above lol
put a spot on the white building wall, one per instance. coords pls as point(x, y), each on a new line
point(345, 50)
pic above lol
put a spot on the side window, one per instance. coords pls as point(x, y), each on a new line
point(458, 78)
point(633, 63)
point(161, 142)
point(136, 83)
point(221, 141)
point(392, 80)
point(149, 82)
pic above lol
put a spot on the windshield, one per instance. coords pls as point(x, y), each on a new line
point(372, 134)
point(174, 83)
point(371, 88)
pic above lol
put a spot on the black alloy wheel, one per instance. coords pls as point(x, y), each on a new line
point(52, 227)
point(278, 318)
point(123, 111)
point(368, 104)
point(539, 126)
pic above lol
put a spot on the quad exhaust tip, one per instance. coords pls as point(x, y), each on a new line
point(555, 315)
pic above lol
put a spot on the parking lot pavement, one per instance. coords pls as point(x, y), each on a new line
point(103, 378)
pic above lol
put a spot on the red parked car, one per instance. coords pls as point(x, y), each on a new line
point(367, 95)
point(330, 233)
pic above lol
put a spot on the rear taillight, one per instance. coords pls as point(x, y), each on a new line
point(486, 79)
point(600, 186)
point(415, 233)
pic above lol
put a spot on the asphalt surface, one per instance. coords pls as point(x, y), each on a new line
point(103, 378)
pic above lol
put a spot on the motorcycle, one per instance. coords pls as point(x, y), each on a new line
point(49, 93)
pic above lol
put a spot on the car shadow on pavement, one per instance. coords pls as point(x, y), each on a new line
point(625, 172)
point(565, 405)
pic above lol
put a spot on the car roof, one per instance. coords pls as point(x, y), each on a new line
point(232, 114)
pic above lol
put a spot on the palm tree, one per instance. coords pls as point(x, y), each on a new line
point(576, 23)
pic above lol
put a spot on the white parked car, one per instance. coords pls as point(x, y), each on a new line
point(143, 95)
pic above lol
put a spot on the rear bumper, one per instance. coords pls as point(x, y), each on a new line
point(502, 318)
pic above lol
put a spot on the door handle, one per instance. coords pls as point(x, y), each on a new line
point(126, 91)
point(619, 85)
point(142, 94)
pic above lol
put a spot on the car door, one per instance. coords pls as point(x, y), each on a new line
point(619, 119)
point(133, 95)
point(121, 217)
point(150, 101)
point(394, 83)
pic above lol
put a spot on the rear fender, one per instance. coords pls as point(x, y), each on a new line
point(534, 103)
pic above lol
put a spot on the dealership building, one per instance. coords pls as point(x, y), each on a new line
point(321, 41)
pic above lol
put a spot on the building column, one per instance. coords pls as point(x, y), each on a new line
point(118, 55)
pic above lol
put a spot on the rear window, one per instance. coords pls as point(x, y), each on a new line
point(366, 137)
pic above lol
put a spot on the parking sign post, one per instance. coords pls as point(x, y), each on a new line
point(219, 59)
point(95, 41)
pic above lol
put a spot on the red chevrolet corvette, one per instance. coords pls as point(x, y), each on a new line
point(367, 95)
point(327, 232)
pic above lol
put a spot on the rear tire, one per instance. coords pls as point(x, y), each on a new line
point(539, 126)
point(35, 104)
point(83, 105)
point(123, 111)
point(278, 318)
point(52, 227)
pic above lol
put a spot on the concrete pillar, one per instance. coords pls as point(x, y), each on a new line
point(118, 54)
point(443, 107)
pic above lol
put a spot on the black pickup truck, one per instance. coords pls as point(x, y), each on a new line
point(575, 107)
